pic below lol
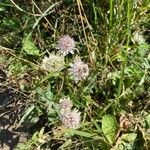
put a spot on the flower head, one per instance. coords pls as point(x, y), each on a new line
point(138, 37)
point(79, 70)
point(66, 45)
point(71, 119)
point(54, 63)
point(68, 117)
point(65, 103)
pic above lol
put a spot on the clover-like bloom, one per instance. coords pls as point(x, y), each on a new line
point(79, 70)
point(65, 103)
point(65, 106)
point(71, 119)
point(138, 37)
point(54, 63)
point(68, 117)
point(66, 45)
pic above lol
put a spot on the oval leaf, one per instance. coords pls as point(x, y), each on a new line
point(29, 47)
point(109, 127)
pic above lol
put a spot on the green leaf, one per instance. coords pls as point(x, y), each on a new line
point(109, 128)
point(29, 47)
point(66, 144)
point(49, 94)
point(26, 114)
point(35, 136)
point(41, 133)
point(10, 23)
point(81, 133)
point(2, 8)
point(126, 142)
point(49, 76)
point(147, 121)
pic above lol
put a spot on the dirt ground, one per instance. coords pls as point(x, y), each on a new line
point(10, 108)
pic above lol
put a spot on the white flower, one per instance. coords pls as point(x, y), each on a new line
point(54, 63)
point(66, 45)
point(79, 70)
point(138, 37)
point(71, 119)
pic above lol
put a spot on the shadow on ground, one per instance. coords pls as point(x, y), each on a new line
point(11, 136)
point(10, 108)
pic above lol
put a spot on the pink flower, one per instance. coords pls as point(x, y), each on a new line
point(65, 103)
point(79, 70)
point(68, 117)
point(66, 45)
point(71, 119)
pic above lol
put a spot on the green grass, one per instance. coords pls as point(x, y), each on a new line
point(113, 100)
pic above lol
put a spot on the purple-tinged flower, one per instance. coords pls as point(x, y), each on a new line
point(65, 103)
point(71, 119)
point(68, 117)
point(66, 45)
point(79, 70)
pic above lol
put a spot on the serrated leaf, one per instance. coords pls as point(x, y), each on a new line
point(109, 127)
point(29, 47)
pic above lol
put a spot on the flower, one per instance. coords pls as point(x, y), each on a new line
point(68, 117)
point(54, 63)
point(65, 106)
point(66, 45)
point(65, 103)
point(138, 37)
point(71, 119)
point(79, 70)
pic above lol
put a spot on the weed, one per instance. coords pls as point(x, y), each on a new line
point(94, 54)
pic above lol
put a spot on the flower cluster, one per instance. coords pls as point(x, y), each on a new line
point(55, 62)
point(69, 118)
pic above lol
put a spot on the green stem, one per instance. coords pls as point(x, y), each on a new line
point(111, 14)
point(127, 46)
